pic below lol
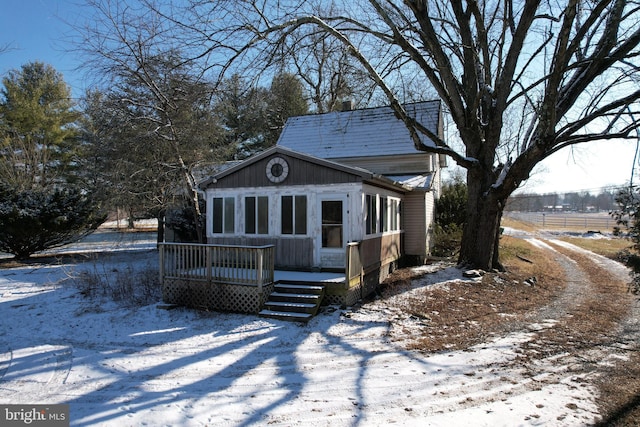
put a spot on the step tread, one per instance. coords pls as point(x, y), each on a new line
point(286, 314)
point(299, 286)
point(291, 304)
point(290, 295)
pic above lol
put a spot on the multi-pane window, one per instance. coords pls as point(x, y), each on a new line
point(256, 215)
point(294, 215)
point(223, 215)
point(390, 214)
point(381, 217)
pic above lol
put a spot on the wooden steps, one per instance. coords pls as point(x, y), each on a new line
point(293, 301)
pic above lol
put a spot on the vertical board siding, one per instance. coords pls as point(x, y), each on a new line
point(301, 172)
point(288, 253)
point(415, 223)
point(380, 251)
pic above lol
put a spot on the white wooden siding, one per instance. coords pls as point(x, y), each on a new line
point(416, 217)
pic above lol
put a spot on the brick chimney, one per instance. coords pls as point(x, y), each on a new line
point(347, 105)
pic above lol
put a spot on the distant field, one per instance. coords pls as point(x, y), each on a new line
point(568, 221)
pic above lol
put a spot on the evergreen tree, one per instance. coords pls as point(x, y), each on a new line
point(33, 220)
point(253, 117)
point(451, 205)
point(45, 199)
point(286, 99)
point(39, 139)
point(450, 218)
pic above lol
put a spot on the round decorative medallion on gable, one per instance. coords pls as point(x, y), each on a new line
point(277, 169)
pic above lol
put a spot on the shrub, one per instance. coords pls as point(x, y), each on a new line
point(38, 219)
point(628, 225)
point(129, 286)
point(450, 217)
point(447, 240)
point(183, 222)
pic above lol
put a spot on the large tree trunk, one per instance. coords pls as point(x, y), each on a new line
point(160, 217)
point(481, 233)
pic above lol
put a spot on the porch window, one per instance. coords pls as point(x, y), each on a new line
point(294, 215)
point(256, 215)
point(371, 214)
point(384, 214)
point(331, 224)
point(223, 215)
point(395, 214)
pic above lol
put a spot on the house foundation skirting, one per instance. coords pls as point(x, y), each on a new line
point(215, 296)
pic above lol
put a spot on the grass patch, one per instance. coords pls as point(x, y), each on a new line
point(464, 313)
point(517, 224)
point(609, 248)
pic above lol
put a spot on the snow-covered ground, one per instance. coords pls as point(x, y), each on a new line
point(135, 366)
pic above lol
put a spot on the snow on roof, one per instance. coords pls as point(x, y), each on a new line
point(357, 133)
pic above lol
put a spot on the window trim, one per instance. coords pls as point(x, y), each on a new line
point(382, 214)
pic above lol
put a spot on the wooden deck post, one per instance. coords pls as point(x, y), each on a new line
point(260, 253)
point(208, 264)
point(161, 254)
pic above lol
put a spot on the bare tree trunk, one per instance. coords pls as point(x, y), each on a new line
point(160, 218)
point(130, 220)
point(480, 237)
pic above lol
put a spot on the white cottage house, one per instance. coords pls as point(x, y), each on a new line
point(336, 184)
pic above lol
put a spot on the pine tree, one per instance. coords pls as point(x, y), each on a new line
point(44, 197)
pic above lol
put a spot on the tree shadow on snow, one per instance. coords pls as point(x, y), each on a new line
point(127, 365)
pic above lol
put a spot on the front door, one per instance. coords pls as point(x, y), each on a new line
point(332, 236)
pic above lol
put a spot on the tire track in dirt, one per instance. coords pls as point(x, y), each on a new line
point(598, 337)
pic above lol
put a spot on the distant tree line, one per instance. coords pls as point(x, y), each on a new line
point(583, 201)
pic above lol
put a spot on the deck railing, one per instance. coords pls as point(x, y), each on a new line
point(237, 265)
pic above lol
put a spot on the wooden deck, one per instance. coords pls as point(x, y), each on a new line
point(241, 278)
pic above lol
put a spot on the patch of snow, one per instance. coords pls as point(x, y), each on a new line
point(119, 365)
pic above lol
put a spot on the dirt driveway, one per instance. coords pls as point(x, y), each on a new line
point(581, 319)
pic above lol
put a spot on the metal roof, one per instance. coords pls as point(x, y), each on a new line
point(358, 133)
